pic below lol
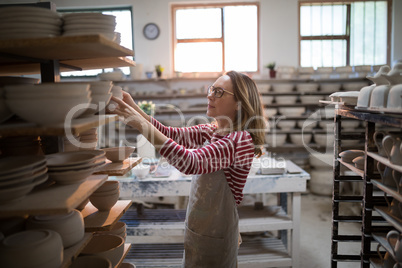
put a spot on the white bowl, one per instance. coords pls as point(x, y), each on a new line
point(292, 111)
point(286, 99)
point(270, 111)
point(33, 248)
point(108, 246)
point(91, 262)
point(111, 76)
point(307, 87)
point(117, 92)
point(275, 139)
point(286, 125)
point(48, 111)
point(325, 140)
point(267, 99)
point(300, 139)
point(349, 155)
point(354, 86)
point(118, 154)
point(311, 99)
point(282, 88)
point(349, 98)
point(321, 182)
point(141, 170)
point(70, 226)
point(350, 124)
point(330, 87)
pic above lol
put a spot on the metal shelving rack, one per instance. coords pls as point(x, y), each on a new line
point(374, 221)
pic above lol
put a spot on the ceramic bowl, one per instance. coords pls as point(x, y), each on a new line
point(330, 87)
point(300, 139)
point(11, 194)
point(363, 101)
point(69, 159)
point(13, 166)
point(264, 88)
point(119, 228)
point(111, 76)
point(275, 139)
point(321, 181)
point(63, 89)
point(270, 111)
point(395, 97)
point(108, 186)
point(335, 97)
point(324, 140)
point(359, 162)
point(354, 86)
point(101, 87)
point(127, 265)
point(291, 111)
point(107, 246)
point(267, 99)
point(285, 99)
point(71, 176)
point(379, 97)
point(104, 202)
point(327, 125)
point(118, 154)
point(349, 98)
point(33, 248)
point(48, 111)
point(141, 170)
point(283, 88)
point(350, 124)
point(311, 99)
point(69, 226)
point(307, 87)
point(286, 125)
point(320, 160)
point(106, 193)
point(307, 125)
point(91, 262)
point(349, 155)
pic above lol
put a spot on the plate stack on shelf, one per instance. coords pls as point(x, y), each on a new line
point(18, 22)
point(19, 175)
point(89, 23)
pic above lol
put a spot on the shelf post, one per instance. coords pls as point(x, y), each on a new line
point(50, 71)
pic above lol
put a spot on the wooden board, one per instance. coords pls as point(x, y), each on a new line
point(72, 252)
point(63, 48)
point(78, 125)
point(103, 220)
point(19, 68)
point(53, 199)
point(119, 168)
point(127, 248)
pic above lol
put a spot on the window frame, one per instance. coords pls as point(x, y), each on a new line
point(175, 41)
point(347, 30)
point(99, 10)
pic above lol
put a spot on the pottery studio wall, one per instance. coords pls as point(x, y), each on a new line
point(278, 29)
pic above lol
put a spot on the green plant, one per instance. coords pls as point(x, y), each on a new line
point(147, 107)
point(159, 68)
point(270, 65)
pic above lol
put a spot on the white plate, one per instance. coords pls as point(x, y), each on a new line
point(14, 164)
point(23, 179)
point(89, 26)
point(27, 11)
point(98, 16)
point(84, 21)
point(23, 173)
point(35, 19)
point(29, 25)
point(17, 193)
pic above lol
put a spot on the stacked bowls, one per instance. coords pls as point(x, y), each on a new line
point(28, 22)
point(106, 196)
point(48, 103)
point(101, 95)
point(120, 229)
point(89, 139)
point(118, 154)
point(89, 23)
point(74, 167)
point(33, 248)
point(107, 246)
point(70, 226)
point(19, 175)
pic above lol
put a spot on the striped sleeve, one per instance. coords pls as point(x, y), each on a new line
point(189, 137)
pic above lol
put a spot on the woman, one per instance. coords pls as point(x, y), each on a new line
point(221, 158)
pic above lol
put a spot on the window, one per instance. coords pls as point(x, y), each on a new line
point(215, 38)
point(340, 34)
point(123, 26)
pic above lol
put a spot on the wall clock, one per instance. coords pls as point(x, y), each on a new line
point(151, 31)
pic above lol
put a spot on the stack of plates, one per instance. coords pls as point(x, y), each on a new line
point(19, 175)
point(89, 23)
point(74, 167)
point(28, 22)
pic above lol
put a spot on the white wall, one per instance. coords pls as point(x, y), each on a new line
point(278, 39)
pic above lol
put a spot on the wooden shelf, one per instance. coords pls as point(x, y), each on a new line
point(22, 56)
point(72, 252)
point(352, 167)
point(391, 191)
point(119, 168)
point(396, 222)
point(103, 220)
point(53, 199)
point(389, 120)
point(127, 248)
point(385, 161)
point(79, 125)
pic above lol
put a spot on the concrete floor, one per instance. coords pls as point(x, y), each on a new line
point(315, 240)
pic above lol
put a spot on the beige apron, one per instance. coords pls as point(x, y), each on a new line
point(212, 224)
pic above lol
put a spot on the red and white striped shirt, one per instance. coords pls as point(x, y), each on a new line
point(233, 153)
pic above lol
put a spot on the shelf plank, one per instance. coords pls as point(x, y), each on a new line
point(385, 161)
point(78, 125)
point(119, 168)
point(53, 199)
point(72, 252)
point(352, 167)
point(396, 222)
point(389, 190)
point(103, 220)
point(389, 120)
point(381, 238)
point(127, 248)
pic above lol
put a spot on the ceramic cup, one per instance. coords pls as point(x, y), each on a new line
point(378, 137)
point(392, 145)
point(387, 177)
point(396, 246)
point(387, 260)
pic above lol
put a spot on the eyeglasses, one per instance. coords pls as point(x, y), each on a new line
point(217, 91)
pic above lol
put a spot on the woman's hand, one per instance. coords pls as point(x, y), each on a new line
point(130, 116)
point(127, 98)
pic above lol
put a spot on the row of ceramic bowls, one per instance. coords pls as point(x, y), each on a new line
point(55, 103)
point(106, 196)
point(300, 139)
point(34, 22)
point(292, 99)
point(87, 140)
point(308, 125)
point(310, 87)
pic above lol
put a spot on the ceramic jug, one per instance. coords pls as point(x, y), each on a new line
point(387, 177)
point(394, 101)
point(395, 241)
point(387, 260)
point(379, 95)
point(378, 137)
point(392, 147)
point(395, 75)
point(394, 208)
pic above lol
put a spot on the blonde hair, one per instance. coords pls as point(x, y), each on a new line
point(251, 110)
